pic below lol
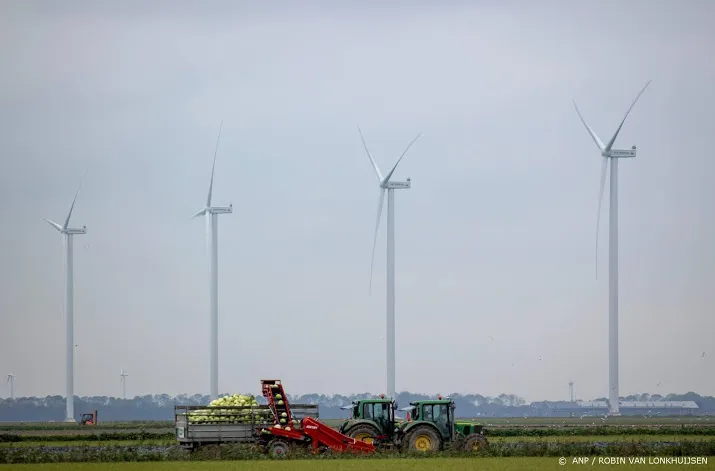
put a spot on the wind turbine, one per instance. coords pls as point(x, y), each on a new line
point(11, 382)
point(612, 155)
point(68, 234)
point(390, 186)
point(211, 213)
point(123, 379)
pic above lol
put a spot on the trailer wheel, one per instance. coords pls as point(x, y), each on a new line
point(475, 442)
point(364, 433)
point(278, 448)
point(423, 438)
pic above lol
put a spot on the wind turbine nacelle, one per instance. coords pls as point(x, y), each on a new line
point(222, 210)
point(622, 154)
point(76, 231)
point(398, 185)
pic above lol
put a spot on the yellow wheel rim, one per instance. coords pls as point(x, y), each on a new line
point(423, 443)
point(476, 447)
point(364, 437)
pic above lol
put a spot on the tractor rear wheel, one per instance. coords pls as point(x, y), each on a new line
point(278, 448)
point(364, 433)
point(423, 438)
point(475, 442)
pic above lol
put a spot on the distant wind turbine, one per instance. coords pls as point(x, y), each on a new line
point(123, 379)
point(211, 213)
point(612, 155)
point(11, 382)
point(390, 186)
point(68, 234)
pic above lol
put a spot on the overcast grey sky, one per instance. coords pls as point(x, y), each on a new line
point(496, 238)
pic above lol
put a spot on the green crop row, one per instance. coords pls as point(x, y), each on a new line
point(73, 426)
point(109, 436)
point(597, 431)
point(525, 449)
point(243, 452)
point(141, 435)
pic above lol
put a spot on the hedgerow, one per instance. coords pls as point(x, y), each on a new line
point(101, 437)
point(603, 430)
point(20, 427)
point(599, 430)
point(254, 452)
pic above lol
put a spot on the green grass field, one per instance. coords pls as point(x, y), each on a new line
point(557, 439)
point(639, 420)
point(550, 421)
point(601, 438)
point(88, 443)
point(482, 464)
point(487, 421)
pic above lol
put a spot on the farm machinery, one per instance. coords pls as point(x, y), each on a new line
point(277, 427)
point(308, 432)
point(89, 418)
point(280, 428)
point(430, 425)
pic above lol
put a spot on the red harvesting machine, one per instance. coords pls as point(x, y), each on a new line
point(288, 432)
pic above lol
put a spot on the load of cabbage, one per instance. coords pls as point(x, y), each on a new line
point(249, 414)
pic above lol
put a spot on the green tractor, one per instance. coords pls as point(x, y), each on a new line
point(371, 421)
point(430, 426)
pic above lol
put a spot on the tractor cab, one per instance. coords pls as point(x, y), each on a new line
point(428, 426)
point(88, 419)
point(440, 413)
point(378, 414)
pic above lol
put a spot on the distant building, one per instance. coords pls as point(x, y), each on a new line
point(600, 408)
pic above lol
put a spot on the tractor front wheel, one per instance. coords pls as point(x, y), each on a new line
point(423, 439)
point(475, 442)
point(363, 433)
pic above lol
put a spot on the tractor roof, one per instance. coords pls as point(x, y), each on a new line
point(432, 401)
point(385, 400)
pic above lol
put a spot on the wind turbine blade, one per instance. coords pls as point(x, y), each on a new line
point(598, 141)
point(374, 164)
point(213, 167)
point(53, 224)
point(377, 228)
point(200, 213)
point(604, 168)
point(67, 221)
point(613, 139)
point(387, 178)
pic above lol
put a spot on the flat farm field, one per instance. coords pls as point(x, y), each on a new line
point(575, 421)
point(517, 439)
point(428, 464)
point(52, 428)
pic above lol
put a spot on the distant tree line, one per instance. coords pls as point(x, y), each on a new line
point(161, 406)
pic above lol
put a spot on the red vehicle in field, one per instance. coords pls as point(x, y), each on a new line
point(277, 426)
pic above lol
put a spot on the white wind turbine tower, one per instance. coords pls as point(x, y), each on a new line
point(211, 213)
point(123, 379)
point(11, 382)
point(612, 155)
point(68, 234)
point(390, 186)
